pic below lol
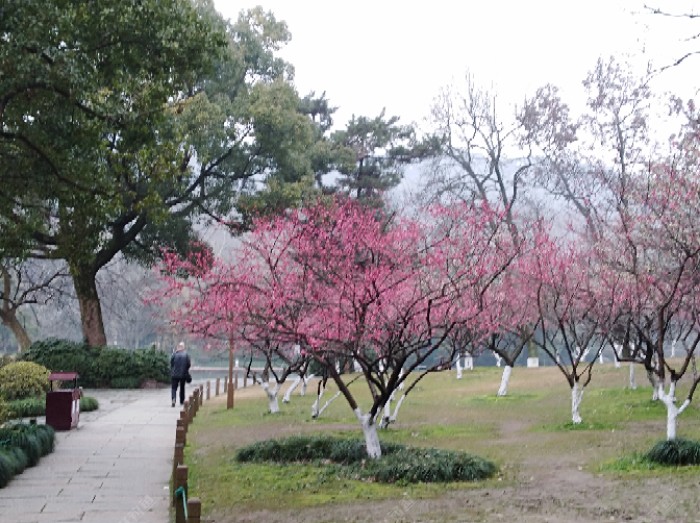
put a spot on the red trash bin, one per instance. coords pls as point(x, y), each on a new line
point(63, 405)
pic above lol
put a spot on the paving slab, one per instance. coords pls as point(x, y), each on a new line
point(113, 468)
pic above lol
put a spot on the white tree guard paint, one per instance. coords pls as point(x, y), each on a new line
point(369, 429)
point(288, 394)
point(469, 363)
point(576, 397)
point(315, 412)
point(633, 380)
point(325, 405)
point(499, 359)
point(458, 366)
point(272, 400)
point(305, 384)
point(672, 411)
point(505, 380)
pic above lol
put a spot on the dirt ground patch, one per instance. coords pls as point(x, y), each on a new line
point(547, 474)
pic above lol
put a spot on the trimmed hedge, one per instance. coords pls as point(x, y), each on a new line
point(675, 452)
point(101, 366)
point(33, 407)
point(21, 446)
point(398, 464)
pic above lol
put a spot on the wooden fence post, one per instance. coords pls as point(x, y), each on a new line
point(194, 510)
point(180, 436)
point(208, 390)
point(218, 384)
point(180, 482)
point(179, 457)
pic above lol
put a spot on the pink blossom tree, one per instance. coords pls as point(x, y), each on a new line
point(576, 300)
point(344, 282)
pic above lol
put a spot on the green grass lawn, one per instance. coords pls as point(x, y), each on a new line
point(530, 427)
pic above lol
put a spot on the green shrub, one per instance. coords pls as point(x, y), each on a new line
point(34, 407)
point(23, 379)
point(88, 404)
point(34, 440)
point(102, 366)
point(7, 466)
point(27, 408)
point(13, 461)
point(21, 446)
point(6, 359)
point(397, 464)
point(126, 382)
point(675, 452)
point(62, 355)
point(5, 412)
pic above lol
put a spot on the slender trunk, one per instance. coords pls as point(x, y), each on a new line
point(576, 397)
point(633, 381)
point(272, 400)
point(469, 363)
point(315, 408)
point(90, 307)
point(505, 379)
point(672, 411)
point(459, 367)
point(9, 320)
point(655, 384)
point(395, 414)
point(498, 360)
point(369, 429)
point(288, 395)
point(305, 384)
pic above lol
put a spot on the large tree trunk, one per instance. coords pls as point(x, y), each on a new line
point(90, 309)
point(369, 429)
point(576, 397)
point(9, 320)
point(505, 379)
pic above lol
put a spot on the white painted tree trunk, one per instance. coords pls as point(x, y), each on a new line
point(499, 359)
point(288, 394)
point(305, 384)
point(459, 367)
point(654, 386)
point(356, 366)
point(672, 412)
point(505, 380)
point(369, 429)
point(272, 400)
point(469, 362)
point(633, 381)
point(601, 360)
point(315, 408)
point(325, 405)
point(576, 397)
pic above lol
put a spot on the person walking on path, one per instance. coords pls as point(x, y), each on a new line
point(179, 372)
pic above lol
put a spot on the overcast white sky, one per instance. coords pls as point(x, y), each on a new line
point(397, 54)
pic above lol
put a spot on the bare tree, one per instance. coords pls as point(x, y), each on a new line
point(25, 284)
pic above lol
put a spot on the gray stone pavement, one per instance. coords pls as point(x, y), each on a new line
point(114, 468)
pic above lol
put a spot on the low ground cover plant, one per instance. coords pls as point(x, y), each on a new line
point(398, 464)
point(21, 446)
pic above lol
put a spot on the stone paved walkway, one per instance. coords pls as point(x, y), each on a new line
point(114, 468)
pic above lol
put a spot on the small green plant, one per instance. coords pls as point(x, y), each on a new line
point(88, 404)
point(675, 452)
point(23, 379)
point(398, 464)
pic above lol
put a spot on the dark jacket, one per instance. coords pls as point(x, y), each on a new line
point(179, 365)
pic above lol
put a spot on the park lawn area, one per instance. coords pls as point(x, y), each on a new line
point(549, 470)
